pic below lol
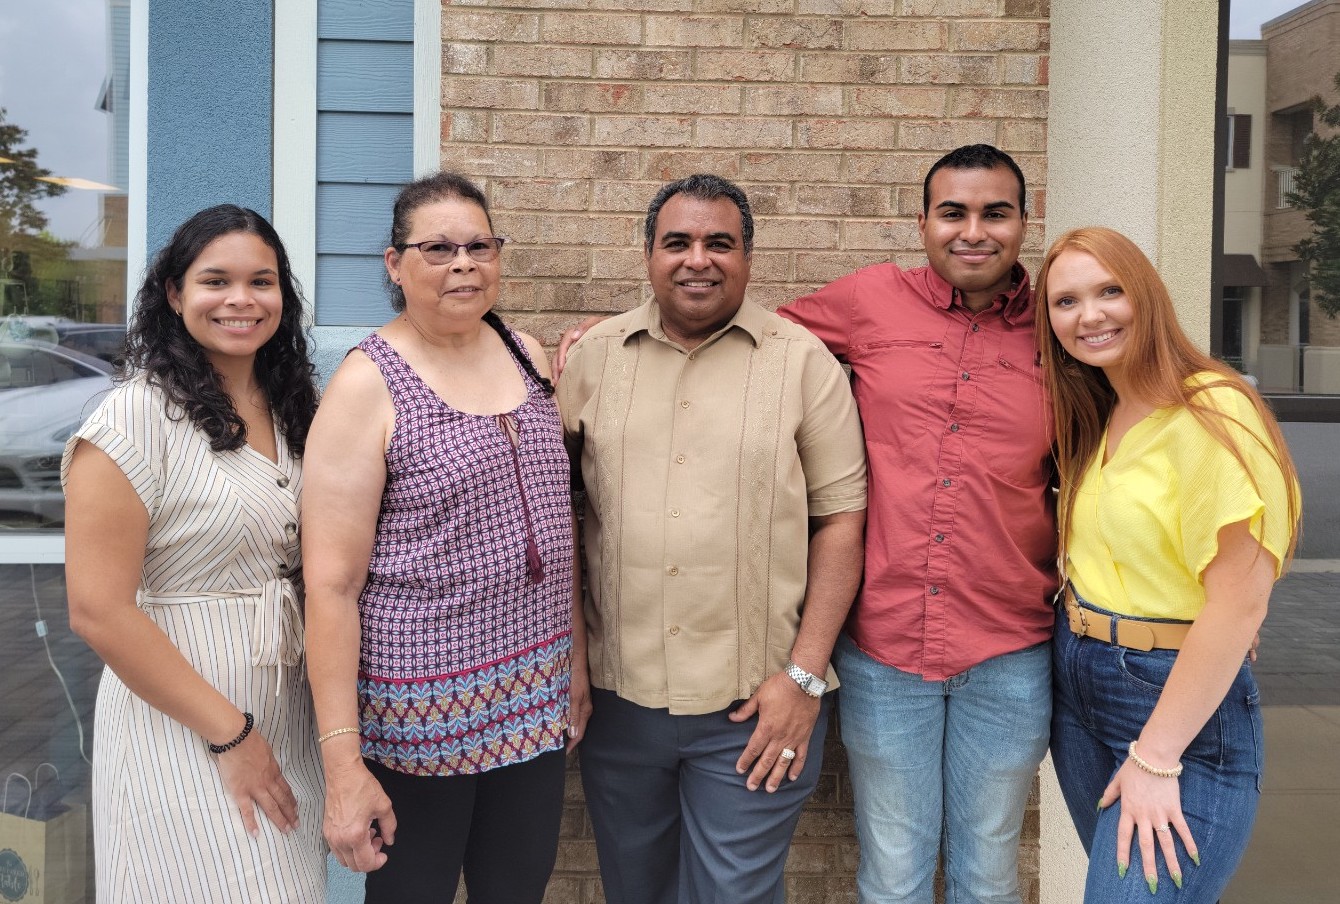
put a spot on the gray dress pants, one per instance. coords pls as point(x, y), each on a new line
point(674, 822)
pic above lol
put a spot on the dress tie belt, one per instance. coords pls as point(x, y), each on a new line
point(276, 629)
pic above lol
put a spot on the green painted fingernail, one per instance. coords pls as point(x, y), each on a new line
point(1153, 883)
point(1121, 869)
point(1100, 805)
point(1195, 858)
point(1177, 879)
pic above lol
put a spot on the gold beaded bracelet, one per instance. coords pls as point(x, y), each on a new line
point(1174, 772)
point(338, 731)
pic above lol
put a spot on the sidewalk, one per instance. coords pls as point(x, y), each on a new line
point(1292, 857)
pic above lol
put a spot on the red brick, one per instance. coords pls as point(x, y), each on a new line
point(880, 34)
point(593, 97)
point(650, 65)
point(903, 101)
point(846, 134)
point(791, 100)
point(584, 162)
point(695, 31)
point(468, 25)
point(690, 98)
point(795, 31)
point(667, 166)
point(540, 60)
point(851, 68)
point(742, 132)
point(745, 65)
point(591, 28)
point(790, 166)
point(642, 131)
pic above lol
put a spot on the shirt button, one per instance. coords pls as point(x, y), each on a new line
point(953, 428)
point(966, 375)
point(674, 513)
point(946, 482)
point(672, 569)
point(935, 591)
point(283, 482)
point(283, 567)
point(693, 356)
point(680, 459)
point(291, 530)
point(684, 404)
point(674, 629)
point(976, 327)
point(939, 538)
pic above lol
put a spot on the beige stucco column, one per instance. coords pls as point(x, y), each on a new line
point(1131, 146)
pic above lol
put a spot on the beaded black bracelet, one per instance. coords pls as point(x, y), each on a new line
point(246, 730)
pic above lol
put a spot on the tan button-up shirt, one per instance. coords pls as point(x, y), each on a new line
point(702, 469)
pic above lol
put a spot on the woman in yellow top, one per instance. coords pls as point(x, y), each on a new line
point(1178, 509)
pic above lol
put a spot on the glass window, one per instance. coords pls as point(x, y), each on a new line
point(64, 116)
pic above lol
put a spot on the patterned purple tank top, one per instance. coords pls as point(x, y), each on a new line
point(467, 611)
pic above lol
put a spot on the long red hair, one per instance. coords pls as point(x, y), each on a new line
point(1159, 362)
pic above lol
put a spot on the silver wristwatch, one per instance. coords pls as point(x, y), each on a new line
point(810, 684)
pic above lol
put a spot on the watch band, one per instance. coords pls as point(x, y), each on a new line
point(810, 684)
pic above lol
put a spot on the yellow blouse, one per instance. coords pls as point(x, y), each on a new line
point(1146, 524)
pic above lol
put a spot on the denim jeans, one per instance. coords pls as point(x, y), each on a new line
point(1104, 696)
point(942, 768)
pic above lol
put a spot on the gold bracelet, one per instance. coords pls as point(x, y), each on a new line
point(338, 731)
point(1174, 772)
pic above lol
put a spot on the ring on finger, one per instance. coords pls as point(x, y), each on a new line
point(788, 753)
point(1163, 828)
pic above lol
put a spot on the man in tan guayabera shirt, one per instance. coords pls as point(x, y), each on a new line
point(725, 478)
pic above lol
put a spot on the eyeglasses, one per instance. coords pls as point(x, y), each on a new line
point(440, 251)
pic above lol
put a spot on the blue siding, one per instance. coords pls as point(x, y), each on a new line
point(361, 20)
point(372, 76)
point(365, 151)
point(357, 217)
point(354, 290)
point(209, 110)
point(365, 147)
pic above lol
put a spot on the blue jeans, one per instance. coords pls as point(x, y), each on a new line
point(1104, 696)
point(942, 767)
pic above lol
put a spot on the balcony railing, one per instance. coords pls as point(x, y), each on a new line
point(1285, 176)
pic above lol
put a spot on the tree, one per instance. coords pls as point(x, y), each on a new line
point(20, 187)
point(24, 242)
point(1317, 193)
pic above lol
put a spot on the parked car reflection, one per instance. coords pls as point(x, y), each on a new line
point(46, 391)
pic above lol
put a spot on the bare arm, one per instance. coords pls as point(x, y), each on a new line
point(106, 532)
point(786, 714)
point(579, 695)
point(1237, 590)
point(344, 473)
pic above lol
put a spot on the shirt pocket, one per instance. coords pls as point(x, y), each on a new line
point(900, 382)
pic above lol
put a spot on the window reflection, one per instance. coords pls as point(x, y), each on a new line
point(1276, 324)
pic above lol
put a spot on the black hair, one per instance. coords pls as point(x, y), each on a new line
point(973, 156)
point(445, 186)
point(159, 345)
point(703, 187)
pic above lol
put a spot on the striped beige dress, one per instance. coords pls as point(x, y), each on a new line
point(218, 579)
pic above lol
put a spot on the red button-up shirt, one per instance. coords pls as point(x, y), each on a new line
point(961, 533)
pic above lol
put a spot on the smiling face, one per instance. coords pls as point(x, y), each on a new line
point(697, 266)
point(462, 289)
point(230, 300)
point(973, 230)
point(1089, 311)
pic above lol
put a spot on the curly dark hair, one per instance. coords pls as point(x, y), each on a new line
point(159, 346)
point(446, 186)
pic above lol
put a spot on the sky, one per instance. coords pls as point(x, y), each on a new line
point(55, 60)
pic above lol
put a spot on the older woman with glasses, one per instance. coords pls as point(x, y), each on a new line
point(441, 583)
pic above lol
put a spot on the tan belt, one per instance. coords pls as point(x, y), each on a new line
point(1137, 635)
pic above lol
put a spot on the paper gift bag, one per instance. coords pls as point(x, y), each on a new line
point(43, 861)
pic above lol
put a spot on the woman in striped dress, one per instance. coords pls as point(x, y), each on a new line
point(183, 575)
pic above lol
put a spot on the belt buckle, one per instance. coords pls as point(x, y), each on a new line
point(1076, 614)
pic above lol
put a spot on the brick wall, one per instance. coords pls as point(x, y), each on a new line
point(828, 112)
